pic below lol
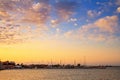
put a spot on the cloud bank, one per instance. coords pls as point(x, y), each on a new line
point(24, 19)
point(103, 29)
point(29, 17)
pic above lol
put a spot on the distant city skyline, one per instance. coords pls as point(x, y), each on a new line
point(36, 31)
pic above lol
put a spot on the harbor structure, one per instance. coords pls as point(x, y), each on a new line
point(0, 65)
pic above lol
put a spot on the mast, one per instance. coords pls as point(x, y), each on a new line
point(74, 62)
point(84, 60)
point(51, 62)
point(60, 62)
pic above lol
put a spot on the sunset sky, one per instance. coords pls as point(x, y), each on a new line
point(41, 31)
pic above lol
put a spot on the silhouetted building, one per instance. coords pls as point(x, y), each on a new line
point(0, 65)
point(8, 65)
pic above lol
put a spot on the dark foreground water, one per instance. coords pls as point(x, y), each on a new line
point(61, 74)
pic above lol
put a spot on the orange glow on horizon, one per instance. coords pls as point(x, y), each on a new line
point(44, 51)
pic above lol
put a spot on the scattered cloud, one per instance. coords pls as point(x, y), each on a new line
point(69, 33)
point(9, 33)
point(38, 13)
point(92, 13)
point(73, 19)
point(22, 19)
point(58, 30)
point(4, 14)
point(75, 24)
point(118, 9)
point(31, 16)
point(107, 24)
point(118, 2)
point(55, 22)
point(101, 30)
point(16, 15)
point(65, 8)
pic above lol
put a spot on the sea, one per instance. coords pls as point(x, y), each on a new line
point(61, 74)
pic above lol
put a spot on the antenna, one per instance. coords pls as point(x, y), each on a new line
point(84, 60)
point(60, 62)
point(74, 62)
point(51, 61)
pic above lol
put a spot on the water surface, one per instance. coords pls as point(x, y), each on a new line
point(60, 74)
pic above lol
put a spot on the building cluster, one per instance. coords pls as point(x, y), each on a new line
point(13, 65)
point(8, 65)
point(54, 66)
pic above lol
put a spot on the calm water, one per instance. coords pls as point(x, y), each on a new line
point(61, 74)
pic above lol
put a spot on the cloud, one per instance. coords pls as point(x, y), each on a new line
point(37, 6)
point(102, 29)
point(8, 33)
point(35, 17)
point(118, 9)
point(31, 17)
point(92, 13)
point(38, 13)
point(69, 33)
point(118, 2)
point(65, 8)
point(73, 20)
point(22, 19)
point(107, 24)
point(27, 10)
point(6, 4)
point(55, 22)
point(4, 14)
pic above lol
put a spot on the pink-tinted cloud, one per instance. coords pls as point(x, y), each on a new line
point(108, 23)
point(102, 29)
point(65, 9)
point(22, 13)
point(4, 14)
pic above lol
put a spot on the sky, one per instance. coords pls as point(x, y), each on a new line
point(41, 31)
